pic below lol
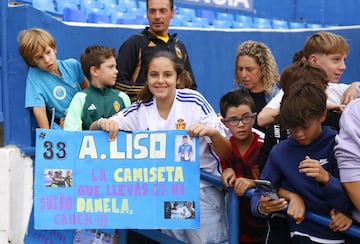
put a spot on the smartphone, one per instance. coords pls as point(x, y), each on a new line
point(266, 189)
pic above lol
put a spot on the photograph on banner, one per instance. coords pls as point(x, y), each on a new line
point(58, 178)
point(85, 181)
point(184, 145)
point(179, 210)
point(93, 236)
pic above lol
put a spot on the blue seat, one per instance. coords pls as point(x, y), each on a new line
point(222, 24)
point(73, 15)
point(207, 14)
point(192, 24)
point(124, 18)
point(128, 5)
point(262, 23)
point(142, 6)
point(224, 16)
point(241, 25)
point(61, 4)
point(108, 2)
point(244, 19)
point(114, 16)
point(124, 21)
point(178, 20)
point(313, 25)
point(296, 25)
point(44, 5)
point(188, 13)
point(99, 18)
point(88, 5)
point(201, 22)
point(279, 24)
point(112, 8)
point(141, 19)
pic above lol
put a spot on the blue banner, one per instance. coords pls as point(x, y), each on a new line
point(141, 180)
point(243, 5)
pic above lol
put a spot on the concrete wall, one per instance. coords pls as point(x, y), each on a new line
point(16, 191)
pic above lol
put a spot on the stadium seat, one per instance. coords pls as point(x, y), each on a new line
point(127, 18)
point(61, 4)
point(241, 25)
point(112, 8)
point(142, 6)
point(244, 19)
point(192, 24)
point(129, 5)
point(188, 13)
point(88, 5)
point(44, 5)
point(313, 25)
point(207, 14)
point(296, 25)
point(96, 10)
point(141, 19)
point(73, 15)
point(224, 16)
point(99, 18)
point(201, 22)
point(222, 24)
point(262, 23)
point(279, 24)
point(108, 2)
point(177, 21)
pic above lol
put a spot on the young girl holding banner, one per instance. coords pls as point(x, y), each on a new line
point(161, 106)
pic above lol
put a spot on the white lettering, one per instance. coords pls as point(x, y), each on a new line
point(114, 154)
point(143, 151)
point(230, 3)
point(137, 148)
point(160, 140)
point(88, 148)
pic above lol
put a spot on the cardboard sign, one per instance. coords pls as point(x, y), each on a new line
point(83, 181)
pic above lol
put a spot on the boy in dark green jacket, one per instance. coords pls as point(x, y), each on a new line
point(100, 100)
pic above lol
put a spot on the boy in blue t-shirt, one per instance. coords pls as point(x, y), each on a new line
point(185, 151)
point(50, 83)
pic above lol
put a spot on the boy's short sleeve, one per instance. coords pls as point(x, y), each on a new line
point(347, 149)
point(34, 96)
point(276, 101)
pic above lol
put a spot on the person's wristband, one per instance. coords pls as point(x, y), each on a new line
point(98, 123)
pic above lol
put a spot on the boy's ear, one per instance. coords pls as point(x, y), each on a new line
point(323, 116)
point(223, 121)
point(255, 116)
point(93, 71)
point(313, 58)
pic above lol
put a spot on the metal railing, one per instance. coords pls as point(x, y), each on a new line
point(232, 216)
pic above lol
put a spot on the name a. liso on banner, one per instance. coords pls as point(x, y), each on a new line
point(140, 180)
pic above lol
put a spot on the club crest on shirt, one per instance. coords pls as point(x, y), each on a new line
point(151, 44)
point(59, 92)
point(180, 125)
point(178, 52)
point(117, 106)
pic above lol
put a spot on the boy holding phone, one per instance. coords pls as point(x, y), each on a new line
point(304, 165)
